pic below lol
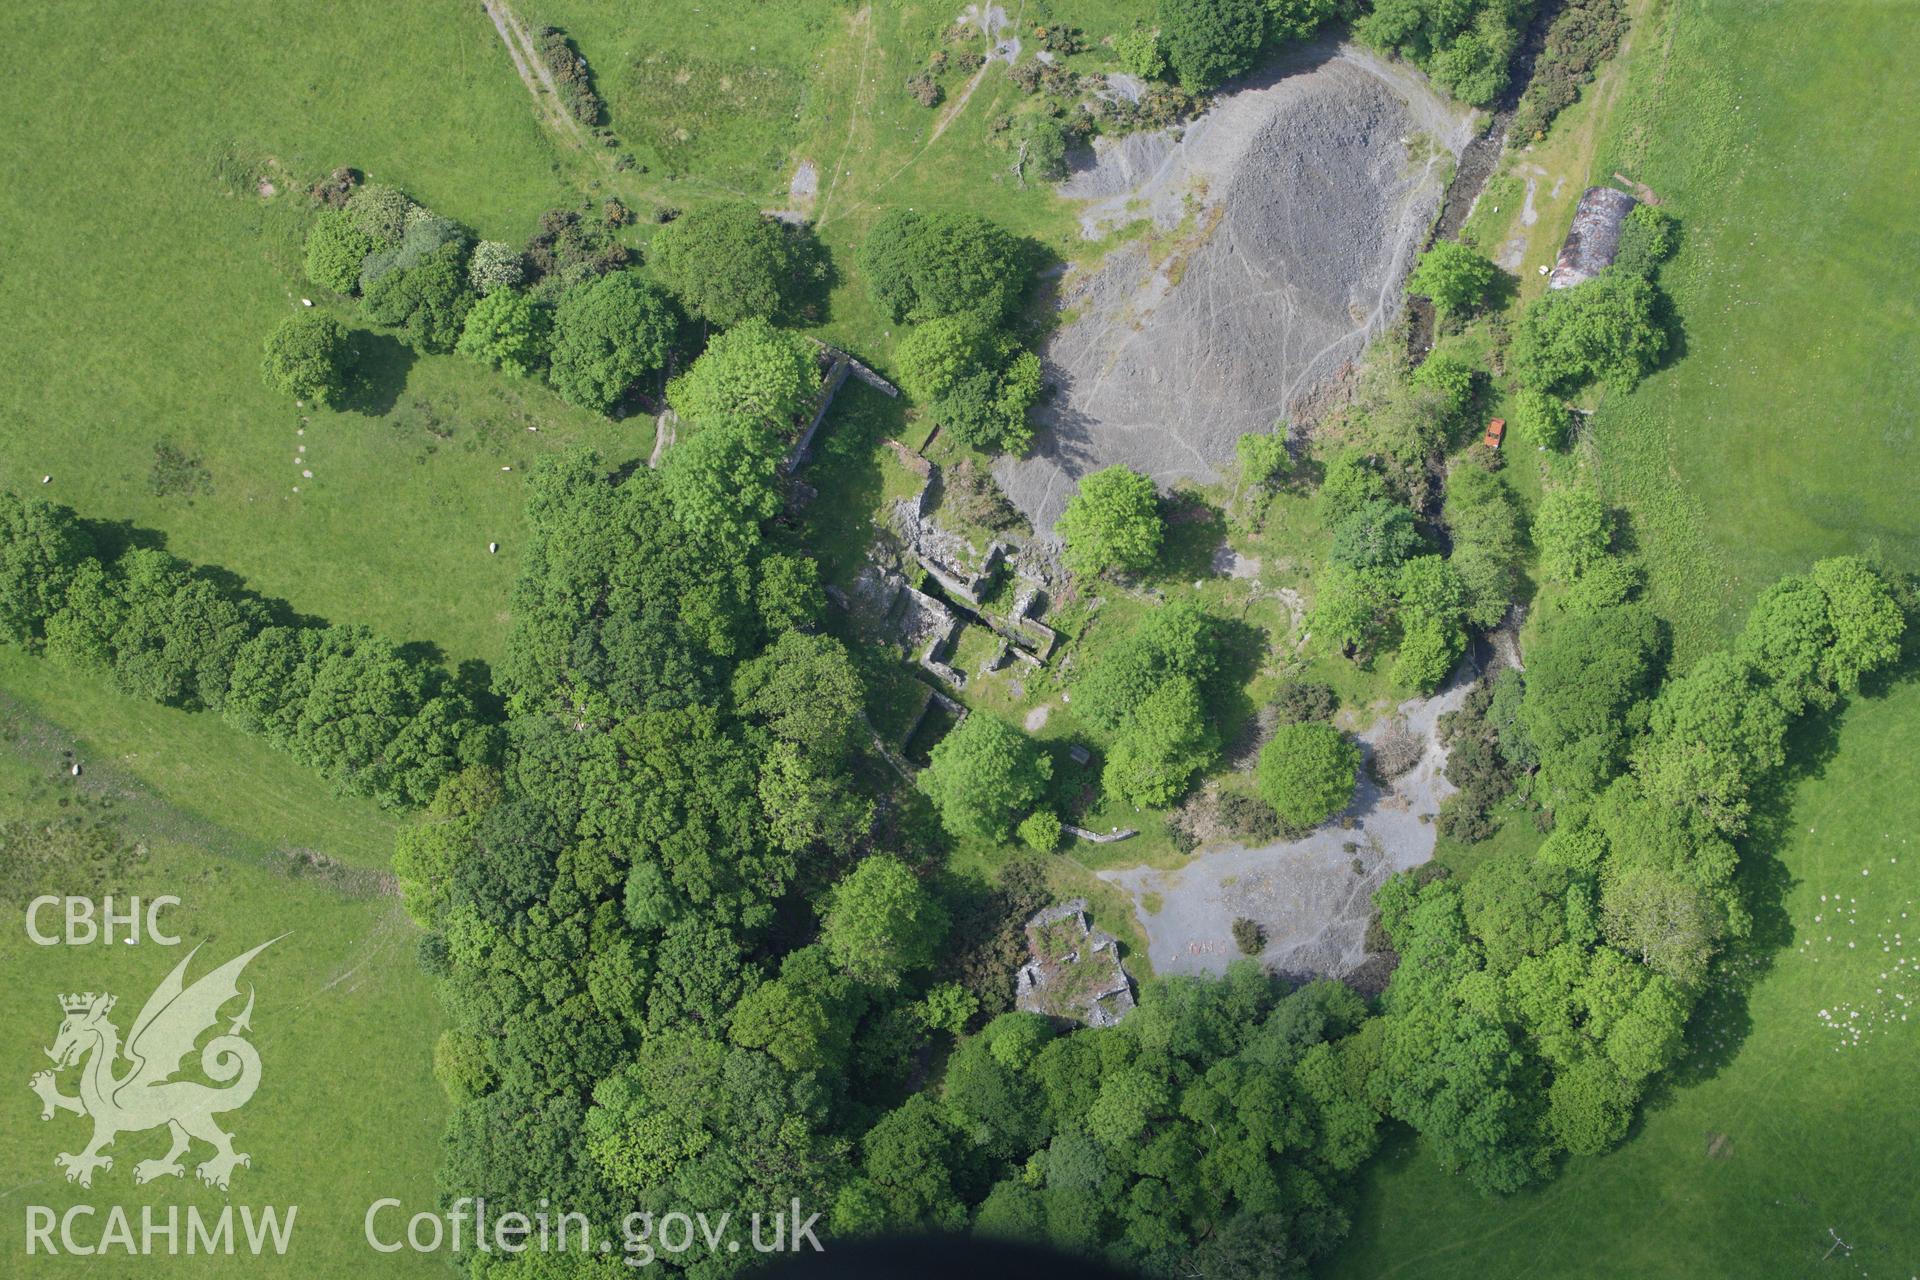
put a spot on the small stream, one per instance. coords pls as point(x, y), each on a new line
point(1477, 163)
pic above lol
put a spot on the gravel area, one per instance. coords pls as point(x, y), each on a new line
point(1307, 894)
point(1287, 217)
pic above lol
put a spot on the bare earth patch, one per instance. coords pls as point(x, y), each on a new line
point(1283, 221)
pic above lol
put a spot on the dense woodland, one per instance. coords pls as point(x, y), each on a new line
point(697, 942)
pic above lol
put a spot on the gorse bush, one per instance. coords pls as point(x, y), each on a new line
point(1584, 34)
point(570, 249)
point(571, 75)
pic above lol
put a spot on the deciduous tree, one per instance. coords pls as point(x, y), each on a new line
point(307, 357)
point(982, 775)
point(1306, 772)
point(1113, 522)
point(508, 331)
point(921, 266)
point(1209, 42)
point(1602, 331)
point(728, 262)
point(335, 250)
point(753, 371)
point(608, 333)
point(1163, 742)
point(1454, 276)
point(880, 922)
point(42, 547)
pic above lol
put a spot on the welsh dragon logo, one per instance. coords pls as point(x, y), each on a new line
point(144, 1096)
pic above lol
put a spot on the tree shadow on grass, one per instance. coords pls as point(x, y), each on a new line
point(836, 528)
point(1501, 293)
point(1243, 646)
point(1721, 1020)
point(114, 538)
point(809, 300)
point(1196, 529)
point(1073, 788)
point(1667, 319)
point(380, 366)
point(474, 679)
point(422, 651)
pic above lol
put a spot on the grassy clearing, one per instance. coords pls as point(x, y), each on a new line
point(728, 102)
point(1780, 436)
point(875, 148)
point(347, 1111)
point(243, 798)
point(708, 98)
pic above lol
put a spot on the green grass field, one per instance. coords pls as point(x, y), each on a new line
point(145, 268)
point(1787, 428)
point(347, 1110)
point(189, 764)
point(1782, 434)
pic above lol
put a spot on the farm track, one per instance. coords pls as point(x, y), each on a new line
point(560, 124)
point(534, 74)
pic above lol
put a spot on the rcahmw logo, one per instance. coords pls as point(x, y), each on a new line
point(161, 1231)
point(147, 1096)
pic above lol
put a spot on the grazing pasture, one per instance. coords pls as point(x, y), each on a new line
point(1786, 428)
point(347, 1111)
point(146, 263)
point(1785, 433)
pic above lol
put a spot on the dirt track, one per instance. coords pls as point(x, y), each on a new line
point(533, 72)
point(1286, 218)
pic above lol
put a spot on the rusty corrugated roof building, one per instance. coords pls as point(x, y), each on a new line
point(1593, 238)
